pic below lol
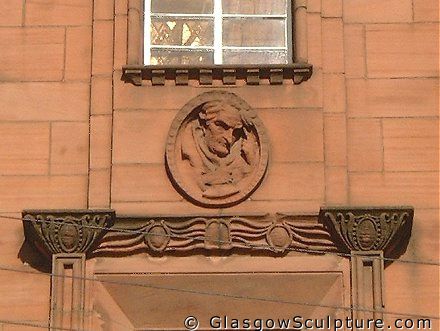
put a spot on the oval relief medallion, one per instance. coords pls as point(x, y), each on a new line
point(367, 234)
point(157, 237)
point(279, 238)
point(217, 150)
point(69, 237)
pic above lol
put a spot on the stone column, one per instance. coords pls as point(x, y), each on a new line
point(369, 235)
point(135, 47)
point(135, 35)
point(300, 31)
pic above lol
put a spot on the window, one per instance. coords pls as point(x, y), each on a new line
point(219, 32)
point(206, 42)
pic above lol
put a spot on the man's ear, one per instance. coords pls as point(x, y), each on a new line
point(202, 115)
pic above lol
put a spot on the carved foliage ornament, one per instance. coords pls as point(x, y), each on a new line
point(217, 150)
point(369, 229)
point(64, 232)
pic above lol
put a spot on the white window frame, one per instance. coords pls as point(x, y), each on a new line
point(218, 47)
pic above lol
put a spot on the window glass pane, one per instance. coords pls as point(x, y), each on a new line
point(254, 32)
point(182, 6)
point(261, 7)
point(182, 32)
point(177, 57)
point(255, 57)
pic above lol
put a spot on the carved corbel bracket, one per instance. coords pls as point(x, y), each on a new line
point(182, 75)
point(133, 76)
point(66, 231)
point(384, 229)
point(301, 75)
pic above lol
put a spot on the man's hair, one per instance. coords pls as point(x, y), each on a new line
point(211, 109)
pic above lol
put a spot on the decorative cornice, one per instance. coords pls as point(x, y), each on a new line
point(369, 228)
point(223, 74)
point(66, 231)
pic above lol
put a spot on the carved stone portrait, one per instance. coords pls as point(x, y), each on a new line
point(217, 150)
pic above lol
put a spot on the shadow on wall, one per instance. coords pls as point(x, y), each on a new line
point(398, 248)
point(28, 254)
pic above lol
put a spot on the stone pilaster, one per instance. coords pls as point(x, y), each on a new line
point(369, 234)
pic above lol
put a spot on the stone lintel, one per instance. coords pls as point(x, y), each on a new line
point(100, 233)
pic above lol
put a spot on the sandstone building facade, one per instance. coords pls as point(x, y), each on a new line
point(119, 211)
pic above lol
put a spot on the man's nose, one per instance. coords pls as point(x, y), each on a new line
point(230, 135)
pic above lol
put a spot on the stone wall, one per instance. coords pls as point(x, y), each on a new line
point(45, 74)
point(362, 131)
point(391, 70)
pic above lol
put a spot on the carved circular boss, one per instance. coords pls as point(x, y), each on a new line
point(217, 150)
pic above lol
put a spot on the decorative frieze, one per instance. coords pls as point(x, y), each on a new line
point(101, 233)
point(274, 233)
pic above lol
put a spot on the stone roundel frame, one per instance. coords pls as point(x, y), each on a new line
point(181, 118)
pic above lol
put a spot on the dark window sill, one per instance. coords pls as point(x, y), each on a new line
point(225, 75)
